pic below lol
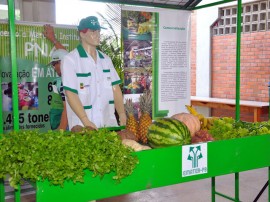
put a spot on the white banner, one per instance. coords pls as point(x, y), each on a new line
point(170, 49)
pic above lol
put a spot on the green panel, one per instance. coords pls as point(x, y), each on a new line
point(147, 3)
point(212, 4)
point(162, 167)
point(17, 194)
point(2, 191)
point(238, 60)
point(156, 112)
point(1, 110)
point(12, 31)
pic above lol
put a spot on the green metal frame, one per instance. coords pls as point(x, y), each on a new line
point(224, 157)
point(150, 165)
point(152, 4)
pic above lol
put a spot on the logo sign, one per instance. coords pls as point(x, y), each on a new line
point(194, 159)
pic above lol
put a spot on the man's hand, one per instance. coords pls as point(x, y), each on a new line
point(49, 33)
point(88, 124)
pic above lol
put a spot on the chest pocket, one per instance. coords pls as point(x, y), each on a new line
point(107, 79)
point(84, 81)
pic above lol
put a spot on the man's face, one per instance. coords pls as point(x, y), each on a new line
point(56, 65)
point(91, 37)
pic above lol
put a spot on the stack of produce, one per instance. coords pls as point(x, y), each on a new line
point(59, 156)
point(228, 128)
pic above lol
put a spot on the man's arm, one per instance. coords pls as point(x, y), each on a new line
point(49, 34)
point(119, 104)
point(76, 105)
point(64, 121)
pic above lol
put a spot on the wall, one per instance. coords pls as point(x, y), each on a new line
point(37, 10)
point(204, 19)
point(255, 60)
point(255, 70)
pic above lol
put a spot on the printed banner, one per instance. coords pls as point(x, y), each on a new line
point(34, 75)
point(173, 80)
point(157, 58)
point(138, 31)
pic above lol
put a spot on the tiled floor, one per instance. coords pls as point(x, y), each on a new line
point(251, 182)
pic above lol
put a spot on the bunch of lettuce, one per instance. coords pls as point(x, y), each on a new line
point(228, 128)
point(59, 156)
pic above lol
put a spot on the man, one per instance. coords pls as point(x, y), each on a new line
point(58, 113)
point(91, 82)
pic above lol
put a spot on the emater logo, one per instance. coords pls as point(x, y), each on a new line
point(194, 159)
point(194, 155)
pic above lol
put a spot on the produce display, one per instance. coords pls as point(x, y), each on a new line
point(166, 132)
point(193, 127)
point(59, 156)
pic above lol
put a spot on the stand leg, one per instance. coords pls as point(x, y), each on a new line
point(236, 186)
point(2, 190)
point(264, 187)
point(213, 182)
point(17, 194)
point(260, 193)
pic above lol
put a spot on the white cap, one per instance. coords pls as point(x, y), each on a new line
point(58, 54)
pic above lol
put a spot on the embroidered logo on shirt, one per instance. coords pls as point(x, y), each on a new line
point(82, 86)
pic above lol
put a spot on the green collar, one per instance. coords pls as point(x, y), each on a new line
point(83, 54)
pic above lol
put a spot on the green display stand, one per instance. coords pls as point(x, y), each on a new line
point(162, 167)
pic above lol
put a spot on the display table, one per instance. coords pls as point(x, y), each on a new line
point(162, 167)
point(257, 108)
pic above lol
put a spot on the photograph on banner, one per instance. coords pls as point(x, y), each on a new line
point(137, 32)
point(27, 96)
point(34, 76)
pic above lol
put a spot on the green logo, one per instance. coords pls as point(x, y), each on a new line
point(194, 155)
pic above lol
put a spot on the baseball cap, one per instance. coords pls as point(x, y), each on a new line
point(90, 22)
point(58, 55)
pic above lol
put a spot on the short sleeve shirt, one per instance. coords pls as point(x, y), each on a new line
point(93, 82)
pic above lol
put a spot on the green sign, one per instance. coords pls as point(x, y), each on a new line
point(34, 74)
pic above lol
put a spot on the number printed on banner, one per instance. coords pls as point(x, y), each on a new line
point(50, 89)
point(9, 118)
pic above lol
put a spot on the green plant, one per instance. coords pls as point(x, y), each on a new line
point(228, 128)
point(110, 39)
point(59, 156)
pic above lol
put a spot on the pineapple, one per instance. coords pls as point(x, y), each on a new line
point(132, 124)
point(145, 119)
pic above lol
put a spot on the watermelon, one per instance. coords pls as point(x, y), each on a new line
point(165, 132)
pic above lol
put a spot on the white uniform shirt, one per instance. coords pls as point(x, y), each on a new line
point(93, 83)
